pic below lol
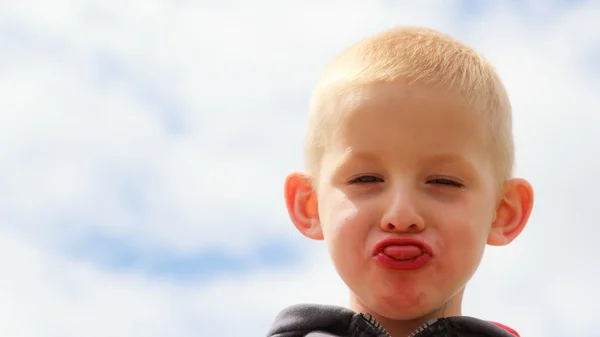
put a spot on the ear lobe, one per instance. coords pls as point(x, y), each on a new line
point(302, 205)
point(512, 212)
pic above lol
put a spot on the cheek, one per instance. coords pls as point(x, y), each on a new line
point(344, 226)
point(465, 243)
point(460, 254)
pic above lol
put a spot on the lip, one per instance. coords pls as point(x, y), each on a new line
point(410, 264)
point(380, 246)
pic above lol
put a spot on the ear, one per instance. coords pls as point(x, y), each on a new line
point(302, 205)
point(512, 212)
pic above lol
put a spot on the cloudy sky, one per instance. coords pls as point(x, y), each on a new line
point(143, 147)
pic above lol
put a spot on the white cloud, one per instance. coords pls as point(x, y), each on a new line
point(46, 295)
point(208, 57)
point(70, 138)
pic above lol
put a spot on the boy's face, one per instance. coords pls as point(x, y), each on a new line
point(405, 162)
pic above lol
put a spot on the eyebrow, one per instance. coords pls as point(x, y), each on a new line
point(350, 157)
point(437, 158)
point(445, 158)
point(454, 159)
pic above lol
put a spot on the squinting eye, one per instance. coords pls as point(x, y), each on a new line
point(446, 181)
point(366, 180)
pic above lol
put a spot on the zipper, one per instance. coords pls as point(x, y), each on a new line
point(373, 327)
point(423, 327)
point(379, 331)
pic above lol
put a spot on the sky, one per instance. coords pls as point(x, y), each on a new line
point(143, 147)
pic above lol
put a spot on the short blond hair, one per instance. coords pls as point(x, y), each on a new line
point(417, 55)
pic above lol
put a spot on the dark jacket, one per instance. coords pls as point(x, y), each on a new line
point(310, 320)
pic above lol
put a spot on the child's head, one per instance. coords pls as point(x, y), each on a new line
point(420, 56)
point(409, 138)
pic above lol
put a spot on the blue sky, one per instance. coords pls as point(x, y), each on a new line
point(143, 149)
point(204, 264)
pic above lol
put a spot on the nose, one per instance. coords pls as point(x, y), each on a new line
point(402, 215)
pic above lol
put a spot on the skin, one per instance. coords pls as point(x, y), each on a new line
point(406, 161)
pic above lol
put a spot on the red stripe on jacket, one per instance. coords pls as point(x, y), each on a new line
point(511, 330)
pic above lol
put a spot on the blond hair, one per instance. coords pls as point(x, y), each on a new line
point(418, 55)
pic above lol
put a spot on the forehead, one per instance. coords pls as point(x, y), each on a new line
point(405, 121)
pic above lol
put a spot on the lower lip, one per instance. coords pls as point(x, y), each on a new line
point(410, 264)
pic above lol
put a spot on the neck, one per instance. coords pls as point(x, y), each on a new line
point(405, 327)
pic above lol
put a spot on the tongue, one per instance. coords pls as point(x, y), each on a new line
point(402, 252)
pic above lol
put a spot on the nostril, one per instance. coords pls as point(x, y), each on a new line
point(413, 227)
point(390, 227)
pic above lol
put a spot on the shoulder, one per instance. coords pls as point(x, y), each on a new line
point(302, 319)
point(485, 328)
point(507, 328)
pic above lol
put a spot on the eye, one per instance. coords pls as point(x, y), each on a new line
point(446, 181)
point(367, 179)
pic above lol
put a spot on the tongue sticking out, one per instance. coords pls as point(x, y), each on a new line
point(402, 252)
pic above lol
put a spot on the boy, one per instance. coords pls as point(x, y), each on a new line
point(409, 156)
